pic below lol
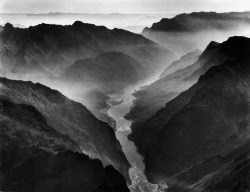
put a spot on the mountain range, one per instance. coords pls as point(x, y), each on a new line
point(57, 140)
point(189, 31)
point(188, 142)
point(59, 56)
point(172, 81)
point(53, 48)
point(191, 125)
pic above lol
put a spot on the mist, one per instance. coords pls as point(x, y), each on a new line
point(184, 42)
point(131, 22)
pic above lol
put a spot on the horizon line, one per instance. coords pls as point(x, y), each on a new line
point(100, 13)
point(118, 13)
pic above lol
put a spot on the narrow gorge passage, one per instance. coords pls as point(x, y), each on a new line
point(136, 172)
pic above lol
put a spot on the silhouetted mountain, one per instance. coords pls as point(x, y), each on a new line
point(34, 116)
point(195, 30)
point(211, 118)
point(53, 48)
point(197, 21)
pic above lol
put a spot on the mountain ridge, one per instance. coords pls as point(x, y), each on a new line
point(190, 31)
point(44, 52)
point(210, 118)
point(95, 138)
point(34, 156)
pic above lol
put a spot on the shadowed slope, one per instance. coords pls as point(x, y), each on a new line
point(94, 138)
point(208, 119)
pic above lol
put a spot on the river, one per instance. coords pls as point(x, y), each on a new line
point(136, 172)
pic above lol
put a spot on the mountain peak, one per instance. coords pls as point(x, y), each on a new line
point(8, 25)
point(212, 44)
point(78, 23)
point(236, 47)
point(238, 39)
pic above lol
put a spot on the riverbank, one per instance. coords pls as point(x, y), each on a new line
point(117, 112)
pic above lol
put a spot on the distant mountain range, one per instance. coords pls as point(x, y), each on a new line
point(181, 142)
point(110, 20)
point(79, 53)
point(53, 48)
point(186, 32)
point(199, 21)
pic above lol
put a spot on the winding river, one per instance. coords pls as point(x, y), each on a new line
point(117, 112)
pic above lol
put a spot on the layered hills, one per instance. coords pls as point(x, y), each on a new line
point(176, 78)
point(186, 32)
point(80, 59)
point(209, 119)
point(53, 48)
point(172, 81)
point(110, 72)
point(97, 78)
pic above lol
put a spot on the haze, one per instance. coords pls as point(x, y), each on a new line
point(122, 6)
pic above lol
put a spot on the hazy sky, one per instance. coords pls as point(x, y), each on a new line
point(122, 6)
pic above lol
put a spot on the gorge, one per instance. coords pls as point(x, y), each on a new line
point(123, 129)
point(86, 108)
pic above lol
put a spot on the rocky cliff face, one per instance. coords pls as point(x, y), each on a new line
point(210, 118)
point(186, 32)
point(43, 119)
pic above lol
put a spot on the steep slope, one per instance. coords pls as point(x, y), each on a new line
point(211, 118)
point(197, 21)
point(52, 48)
point(98, 78)
point(35, 157)
point(179, 76)
point(185, 32)
point(229, 173)
point(185, 61)
point(94, 138)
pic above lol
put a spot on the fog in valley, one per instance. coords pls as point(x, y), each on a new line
point(139, 96)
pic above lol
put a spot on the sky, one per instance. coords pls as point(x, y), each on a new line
point(122, 6)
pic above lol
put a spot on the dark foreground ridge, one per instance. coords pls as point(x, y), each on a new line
point(49, 142)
